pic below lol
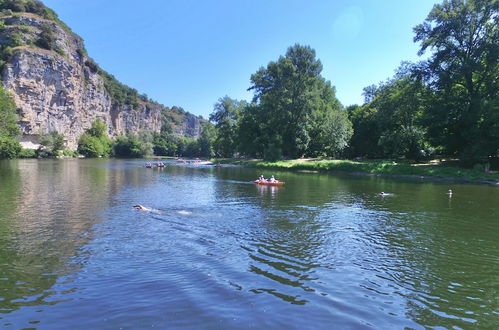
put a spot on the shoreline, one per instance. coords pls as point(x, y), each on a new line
point(381, 168)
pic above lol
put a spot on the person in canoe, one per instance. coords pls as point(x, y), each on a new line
point(262, 178)
point(272, 179)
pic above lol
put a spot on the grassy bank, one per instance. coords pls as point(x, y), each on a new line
point(386, 167)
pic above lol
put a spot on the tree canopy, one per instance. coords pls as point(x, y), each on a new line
point(463, 72)
point(293, 104)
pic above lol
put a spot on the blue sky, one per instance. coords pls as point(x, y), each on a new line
point(190, 53)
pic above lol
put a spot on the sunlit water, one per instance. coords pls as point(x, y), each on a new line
point(324, 251)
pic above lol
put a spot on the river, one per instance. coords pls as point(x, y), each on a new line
point(322, 251)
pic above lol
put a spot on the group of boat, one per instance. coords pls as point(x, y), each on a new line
point(261, 180)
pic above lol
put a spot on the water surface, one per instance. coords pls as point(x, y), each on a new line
point(323, 251)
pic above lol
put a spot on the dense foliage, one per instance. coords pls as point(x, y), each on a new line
point(294, 112)
point(462, 73)
point(133, 146)
point(9, 131)
point(226, 115)
point(34, 7)
point(295, 104)
point(448, 104)
point(53, 143)
point(95, 142)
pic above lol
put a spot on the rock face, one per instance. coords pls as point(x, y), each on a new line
point(59, 90)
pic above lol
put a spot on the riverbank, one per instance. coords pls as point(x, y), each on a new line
point(434, 171)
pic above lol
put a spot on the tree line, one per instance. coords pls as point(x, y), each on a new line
point(445, 105)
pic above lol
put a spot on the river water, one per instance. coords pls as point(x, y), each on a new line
point(219, 252)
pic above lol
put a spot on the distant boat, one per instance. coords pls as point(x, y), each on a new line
point(160, 164)
point(148, 165)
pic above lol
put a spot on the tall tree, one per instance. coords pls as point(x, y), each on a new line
point(463, 70)
point(206, 140)
point(8, 117)
point(400, 104)
point(225, 116)
point(330, 129)
point(9, 131)
point(288, 93)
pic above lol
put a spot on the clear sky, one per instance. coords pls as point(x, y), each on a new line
point(190, 53)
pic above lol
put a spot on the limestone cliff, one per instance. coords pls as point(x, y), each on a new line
point(56, 86)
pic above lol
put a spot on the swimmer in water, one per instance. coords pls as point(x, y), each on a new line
point(384, 194)
point(449, 192)
point(141, 207)
point(147, 209)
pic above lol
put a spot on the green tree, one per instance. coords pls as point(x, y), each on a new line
point(47, 37)
point(206, 140)
point(98, 129)
point(290, 94)
point(95, 142)
point(9, 148)
point(127, 146)
point(250, 132)
point(187, 146)
point(165, 142)
point(330, 129)
point(91, 146)
point(225, 116)
point(462, 71)
point(8, 117)
point(53, 142)
point(9, 131)
point(283, 90)
point(364, 141)
point(133, 146)
point(400, 104)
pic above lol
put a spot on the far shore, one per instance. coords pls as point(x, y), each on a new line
point(436, 171)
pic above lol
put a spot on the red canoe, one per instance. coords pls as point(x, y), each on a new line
point(267, 183)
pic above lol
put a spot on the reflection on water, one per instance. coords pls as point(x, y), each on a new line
point(47, 210)
point(222, 252)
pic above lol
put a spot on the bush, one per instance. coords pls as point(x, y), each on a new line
point(27, 153)
point(131, 146)
point(91, 146)
point(164, 145)
point(53, 142)
point(47, 38)
point(406, 141)
point(9, 147)
point(95, 142)
point(15, 40)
